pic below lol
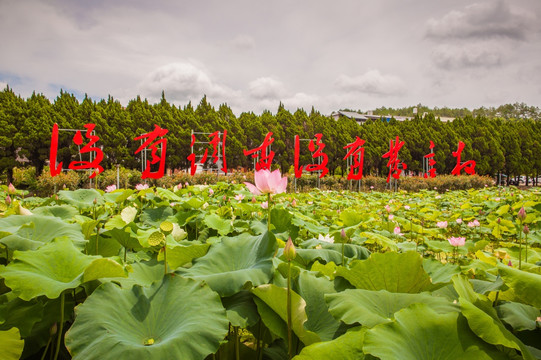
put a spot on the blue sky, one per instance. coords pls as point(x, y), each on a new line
point(254, 54)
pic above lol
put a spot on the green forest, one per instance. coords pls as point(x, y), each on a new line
point(507, 144)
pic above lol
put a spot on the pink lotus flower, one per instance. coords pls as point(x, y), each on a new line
point(391, 216)
point(397, 231)
point(211, 192)
point(388, 208)
point(294, 203)
point(267, 182)
point(441, 224)
point(457, 241)
point(110, 188)
point(141, 187)
point(11, 189)
point(459, 221)
point(239, 197)
point(474, 223)
point(407, 207)
point(265, 205)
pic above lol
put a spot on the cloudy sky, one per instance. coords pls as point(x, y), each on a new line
point(252, 54)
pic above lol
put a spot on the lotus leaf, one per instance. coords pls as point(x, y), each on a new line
point(389, 271)
point(32, 231)
point(526, 286)
point(229, 265)
point(11, 344)
point(371, 308)
point(346, 347)
point(48, 271)
point(418, 332)
point(81, 198)
point(176, 318)
point(275, 298)
point(519, 316)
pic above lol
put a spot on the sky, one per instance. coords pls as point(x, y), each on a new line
point(253, 54)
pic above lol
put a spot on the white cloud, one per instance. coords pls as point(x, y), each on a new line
point(3, 85)
point(372, 82)
point(494, 19)
point(182, 81)
point(266, 88)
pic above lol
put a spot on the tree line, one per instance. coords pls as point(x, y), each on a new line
point(497, 144)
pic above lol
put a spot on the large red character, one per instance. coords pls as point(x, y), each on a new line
point(158, 132)
point(357, 152)
point(431, 170)
point(265, 160)
point(394, 162)
point(78, 140)
point(316, 153)
point(468, 166)
point(215, 142)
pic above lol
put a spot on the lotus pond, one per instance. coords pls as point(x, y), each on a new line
point(200, 273)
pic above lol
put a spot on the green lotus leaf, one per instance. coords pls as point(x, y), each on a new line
point(483, 318)
point(241, 309)
point(313, 289)
point(418, 332)
point(142, 273)
point(389, 271)
point(123, 237)
point(181, 255)
point(19, 313)
point(48, 271)
point(305, 257)
point(167, 194)
point(438, 272)
point(32, 231)
point(519, 316)
point(103, 268)
point(351, 217)
point(155, 216)
point(214, 221)
point(371, 308)
point(379, 239)
point(229, 265)
point(327, 269)
point(346, 347)
point(526, 286)
point(64, 212)
point(81, 198)
point(11, 344)
point(176, 318)
point(276, 298)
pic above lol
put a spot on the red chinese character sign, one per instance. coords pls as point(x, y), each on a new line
point(394, 163)
point(356, 151)
point(95, 160)
point(429, 162)
point(154, 145)
point(316, 148)
point(215, 141)
point(263, 153)
point(468, 166)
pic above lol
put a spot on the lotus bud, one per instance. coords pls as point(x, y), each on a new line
point(8, 200)
point(95, 201)
point(509, 263)
point(253, 200)
point(294, 202)
point(526, 230)
point(289, 250)
point(499, 221)
point(23, 211)
point(521, 214)
point(53, 330)
point(11, 189)
point(343, 235)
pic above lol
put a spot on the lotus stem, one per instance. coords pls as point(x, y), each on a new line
point(125, 254)
point(343, 255)
point(237, 341)
point(289, 335)
point(520, 247)
point(46, 348)
point(259, 335)
point(60, 327)
point(165, 257)
point(268, 212)
point(526, 241)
